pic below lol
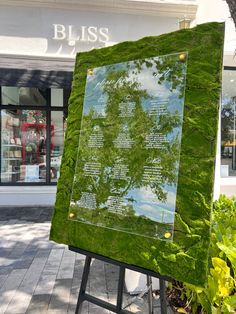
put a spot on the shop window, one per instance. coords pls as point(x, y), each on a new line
point(10, 95)
point(57, 140)
point(228, 124)
point(22, 152)
point(23, 96)
point(57, 97)
point(32, 135)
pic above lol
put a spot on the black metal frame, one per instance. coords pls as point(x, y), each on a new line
point(84, 296)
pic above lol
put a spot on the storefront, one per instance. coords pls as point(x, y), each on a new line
point(38, 43)
point(228, 132)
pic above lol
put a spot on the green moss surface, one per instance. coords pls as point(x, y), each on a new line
point(185, 258)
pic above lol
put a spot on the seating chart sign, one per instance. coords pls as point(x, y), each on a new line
point(127, 166)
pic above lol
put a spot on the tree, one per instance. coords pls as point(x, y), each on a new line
point(232, 9)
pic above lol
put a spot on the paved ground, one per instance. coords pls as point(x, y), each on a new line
point(39, 276)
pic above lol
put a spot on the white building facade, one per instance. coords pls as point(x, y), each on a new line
point(38, 44)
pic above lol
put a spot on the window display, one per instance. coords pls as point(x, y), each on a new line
point(22, 146)
point(228, 124)
point(31, 149)
point(57, 138)
point(11, 148)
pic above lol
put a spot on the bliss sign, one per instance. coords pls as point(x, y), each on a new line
point(89, 34)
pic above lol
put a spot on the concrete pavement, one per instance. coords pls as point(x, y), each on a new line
point(40, 276)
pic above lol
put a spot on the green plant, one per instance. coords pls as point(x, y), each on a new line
point(219, 295)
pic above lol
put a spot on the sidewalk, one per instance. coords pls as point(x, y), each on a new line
point(40, 276)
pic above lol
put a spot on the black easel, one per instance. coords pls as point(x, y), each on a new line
point(84, 296)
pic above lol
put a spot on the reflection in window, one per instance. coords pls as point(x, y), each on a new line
point(26, 96)
point(32, 96)
point(57, 143)
point(228, 123)
point(57, 97)
point(10, 95)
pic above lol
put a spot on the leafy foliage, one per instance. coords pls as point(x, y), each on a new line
point(232, 9)
point(219, 295)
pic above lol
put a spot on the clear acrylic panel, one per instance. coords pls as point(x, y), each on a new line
point(128, 157)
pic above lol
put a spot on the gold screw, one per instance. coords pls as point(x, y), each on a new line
point(90, 72)
point(182, 57)
point(167, 235)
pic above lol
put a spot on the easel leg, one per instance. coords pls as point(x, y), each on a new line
point(83, 285)
point(150, 302)
point(120, 288)
point(163, 296)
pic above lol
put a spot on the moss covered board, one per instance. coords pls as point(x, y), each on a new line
point(138, 166)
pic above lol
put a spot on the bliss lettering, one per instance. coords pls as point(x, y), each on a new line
point(84, 33)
